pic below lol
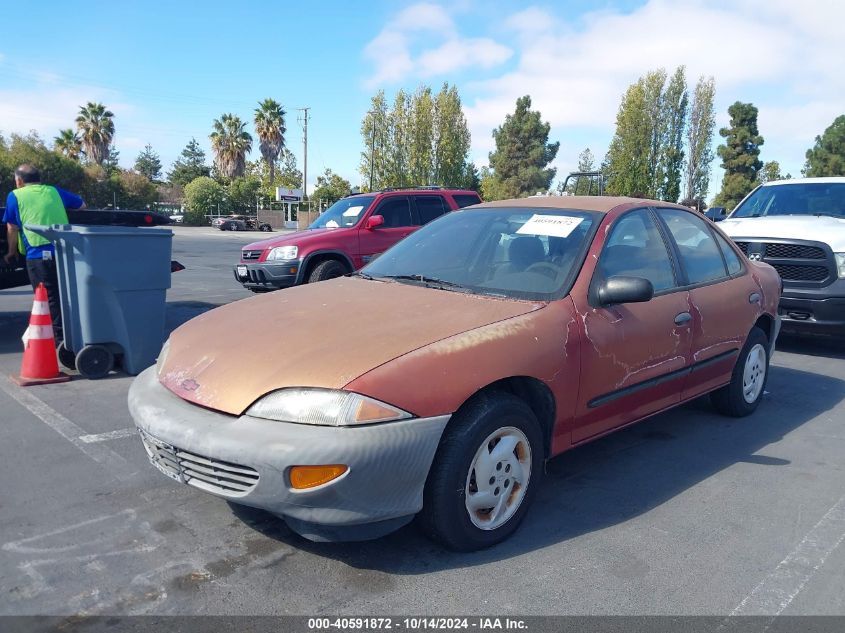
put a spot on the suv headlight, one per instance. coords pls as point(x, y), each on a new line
point(283, 252)
point(840, 264)
point(323, 407)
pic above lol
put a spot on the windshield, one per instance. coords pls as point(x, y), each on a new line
point(344, 212)
point(798, 199)
point(518, 253)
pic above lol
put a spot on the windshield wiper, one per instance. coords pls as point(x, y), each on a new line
point(361, 275)
point(432, 282)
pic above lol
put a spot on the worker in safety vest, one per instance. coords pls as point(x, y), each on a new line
point(34, 203)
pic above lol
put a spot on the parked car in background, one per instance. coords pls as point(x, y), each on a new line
point(438, 380)
point(798, 226)
point(717, 214)
point(348, 235)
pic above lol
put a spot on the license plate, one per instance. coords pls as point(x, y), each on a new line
point(241, 271)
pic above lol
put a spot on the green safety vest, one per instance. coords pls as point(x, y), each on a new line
point(38, 204)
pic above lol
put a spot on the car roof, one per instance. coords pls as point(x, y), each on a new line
point(603, 204)
point(828, 180)
point(417, 190)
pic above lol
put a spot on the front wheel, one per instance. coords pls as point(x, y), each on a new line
point(748, 381)
point(485, 473)
point(328, 269)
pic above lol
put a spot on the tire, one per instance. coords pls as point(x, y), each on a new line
point(328, 269)
point(66, 357)
point(94, 361)
point(748, 380)
point(266, 228)
point(451, 512)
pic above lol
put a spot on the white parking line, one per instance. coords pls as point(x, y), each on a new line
point(117, 465)
point(110, 435)
point(778, 589)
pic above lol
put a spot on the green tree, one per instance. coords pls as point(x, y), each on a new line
point(827, 156)
point(628, 159)
point(702, 123)
point(331, 187)
point(190, 165)
point(148, 163)
point(202, 195)
point(740, 155)
point(771, 171)
point(68, 144)
point(96, 127)
point(522, 155)
point(242, 193)
point(375, 131)
point(490, 187)
point(581, 186)
point(673, 121)
point(135, 190)
point(420, 158)
point(451, 138)
point(112, 161)
point(55, 168)
point(399, 139)
point(270, 128)
point(231, 143)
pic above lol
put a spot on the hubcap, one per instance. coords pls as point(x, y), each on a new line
point(754, 374)
point(498, 478)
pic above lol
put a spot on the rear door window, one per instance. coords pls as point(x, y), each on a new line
point(731, 258)
point(430, 207)
point(701, 256)
point(466, 199)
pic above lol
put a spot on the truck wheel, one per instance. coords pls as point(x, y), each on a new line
point(485, 473)
point(748, 381)
point(94, 361)
point(66, 357)
point(328, 269)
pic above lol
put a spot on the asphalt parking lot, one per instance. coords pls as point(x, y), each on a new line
point(687, 513)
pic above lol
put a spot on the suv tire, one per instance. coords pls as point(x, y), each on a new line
point(328, 269)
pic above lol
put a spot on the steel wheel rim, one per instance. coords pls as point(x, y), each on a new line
point(498, 478)
point(754, 373)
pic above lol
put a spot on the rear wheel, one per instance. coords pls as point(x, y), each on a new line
point(748, 381)
point(485, 474)
point(328, 269)
point(94, 361)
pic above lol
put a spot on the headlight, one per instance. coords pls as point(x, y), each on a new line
point(162, 356)
point(840, 264)
point(323, 407)
point(283, 252)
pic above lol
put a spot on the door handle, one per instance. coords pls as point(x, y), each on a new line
point(683, 318)
point(754, 297)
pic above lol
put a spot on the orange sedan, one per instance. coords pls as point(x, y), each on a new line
point(437, 380)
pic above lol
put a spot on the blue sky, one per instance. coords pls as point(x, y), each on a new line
point(168, 69)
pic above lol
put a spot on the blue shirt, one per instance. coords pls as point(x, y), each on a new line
point(13, 216)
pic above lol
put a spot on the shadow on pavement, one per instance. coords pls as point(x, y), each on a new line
point(607, 482)
point(827, 346)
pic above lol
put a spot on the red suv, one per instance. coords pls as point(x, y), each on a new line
point(350, 233)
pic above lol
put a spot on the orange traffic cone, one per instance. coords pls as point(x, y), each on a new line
point(39, 366)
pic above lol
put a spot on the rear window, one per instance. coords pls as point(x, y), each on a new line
point(466, 199)
point(430, 207)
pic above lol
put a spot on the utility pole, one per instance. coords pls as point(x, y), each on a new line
point(304, 151)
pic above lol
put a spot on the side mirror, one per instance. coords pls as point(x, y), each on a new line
point(625, 290)
point(373, 221)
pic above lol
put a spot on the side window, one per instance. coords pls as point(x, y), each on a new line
point(430, 207)
point(636, 249)
point(732, 259)
point(700, 255)
point(466, 199)
point(396, 212)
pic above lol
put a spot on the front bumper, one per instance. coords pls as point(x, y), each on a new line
point(819, 310)
point(382, 490)
point(268, 275)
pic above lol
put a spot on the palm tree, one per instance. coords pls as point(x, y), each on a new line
point(68, 144)
point(230, 143)
point(96, 125)
point(270, 128)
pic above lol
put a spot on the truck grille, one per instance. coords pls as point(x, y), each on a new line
point(212, 475)
point(797, 262)
point(248, 255)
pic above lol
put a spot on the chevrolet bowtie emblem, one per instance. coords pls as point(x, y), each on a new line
point(189, 385)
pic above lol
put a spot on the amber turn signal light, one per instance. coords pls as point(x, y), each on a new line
point(303, 477)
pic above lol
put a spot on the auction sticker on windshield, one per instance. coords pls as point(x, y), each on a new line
point(552, 225)
point(352, 211)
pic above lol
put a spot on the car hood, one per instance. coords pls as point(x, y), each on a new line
point(318, 335)
point(299, 238)
point(819, 228)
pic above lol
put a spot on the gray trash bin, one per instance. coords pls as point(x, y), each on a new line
point(113, 283)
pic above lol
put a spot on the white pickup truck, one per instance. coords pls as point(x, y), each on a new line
point(798, 226)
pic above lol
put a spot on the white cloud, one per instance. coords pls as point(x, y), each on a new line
point(399, 52)
point(782, 56)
